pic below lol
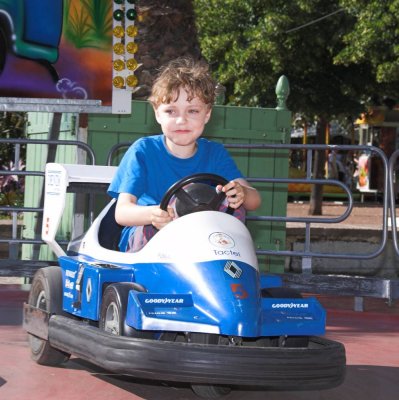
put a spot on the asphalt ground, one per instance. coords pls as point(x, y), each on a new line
point(371, 339)
point(362, 217)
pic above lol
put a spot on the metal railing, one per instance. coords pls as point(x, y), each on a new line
point(308, 221)
point(305, 281)
point(393, 167)
point(13, 262)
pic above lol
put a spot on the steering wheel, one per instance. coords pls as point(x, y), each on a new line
point(196, 193)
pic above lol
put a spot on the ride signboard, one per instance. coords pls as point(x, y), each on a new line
point(67, 55)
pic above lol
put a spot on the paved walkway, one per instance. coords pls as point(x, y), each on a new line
point(371, 340)
point(364, 216)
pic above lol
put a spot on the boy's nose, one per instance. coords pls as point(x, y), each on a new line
point(181, 119)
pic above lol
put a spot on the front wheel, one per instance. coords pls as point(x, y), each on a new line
point(210, 391)
point(113, 312)
point(203, 390)
point(46, 294)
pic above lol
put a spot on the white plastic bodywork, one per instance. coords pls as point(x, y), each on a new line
point(57, 179)
point(197, 237)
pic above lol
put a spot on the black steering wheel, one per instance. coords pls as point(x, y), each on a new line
point(196, 193)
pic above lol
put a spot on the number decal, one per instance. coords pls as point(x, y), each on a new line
point(238, 291)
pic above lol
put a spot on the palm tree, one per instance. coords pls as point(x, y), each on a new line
point(166, 30)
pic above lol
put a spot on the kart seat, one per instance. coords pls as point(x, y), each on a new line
point(109, 231)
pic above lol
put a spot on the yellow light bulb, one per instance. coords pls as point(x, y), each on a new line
point(119, 48)
point(132, 80)
point(118, 82)
point(118, 31)
point(132, 31)
point(131, 64)
point(119, 65)
point(132, 47)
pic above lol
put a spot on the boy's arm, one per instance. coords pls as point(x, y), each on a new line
point(128, 213)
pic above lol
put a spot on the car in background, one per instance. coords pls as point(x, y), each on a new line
point(31, 29)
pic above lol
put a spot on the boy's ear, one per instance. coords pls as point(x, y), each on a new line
point(208, 115)
point(156, 114)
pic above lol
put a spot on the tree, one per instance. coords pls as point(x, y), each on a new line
point(166, 30)
point(252, 42)
point(373, 39)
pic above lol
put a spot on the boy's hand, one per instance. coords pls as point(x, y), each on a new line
point(235, 193)
point(160, 218)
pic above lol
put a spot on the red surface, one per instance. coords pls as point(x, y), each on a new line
point(371, 339)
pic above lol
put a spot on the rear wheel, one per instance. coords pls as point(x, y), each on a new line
point(46, 294)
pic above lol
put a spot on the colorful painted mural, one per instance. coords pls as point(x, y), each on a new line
point(56, 49)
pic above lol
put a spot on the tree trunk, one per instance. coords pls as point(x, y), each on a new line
point(167, 30)
point(316, 198)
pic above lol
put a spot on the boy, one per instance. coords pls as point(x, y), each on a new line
point(182, 97)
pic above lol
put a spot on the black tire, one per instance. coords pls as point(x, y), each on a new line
point(113, 312)
point(46, 294)
point(281, 293)
point(210, 391)
point(203, 390)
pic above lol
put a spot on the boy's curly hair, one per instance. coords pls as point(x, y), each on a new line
point(187, 73)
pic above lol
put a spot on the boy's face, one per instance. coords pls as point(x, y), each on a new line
point(182, 121)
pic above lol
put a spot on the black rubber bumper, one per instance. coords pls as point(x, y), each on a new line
point(320, 366)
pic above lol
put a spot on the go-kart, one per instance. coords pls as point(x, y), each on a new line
point(191, 306)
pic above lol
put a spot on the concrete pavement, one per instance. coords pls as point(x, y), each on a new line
point(371, 339)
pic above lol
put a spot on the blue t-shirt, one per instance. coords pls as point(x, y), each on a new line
point(148, 169)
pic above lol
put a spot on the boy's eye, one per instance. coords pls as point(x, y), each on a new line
point(194, 111)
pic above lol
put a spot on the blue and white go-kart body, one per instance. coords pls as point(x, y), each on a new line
point(191, 306)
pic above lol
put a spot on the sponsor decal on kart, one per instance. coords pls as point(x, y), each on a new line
point(290, 305)
point(227, 253)
point(151, 301)
point(69, 284)
point(232, 269)
point(70, 274)
point(220, 239)
point(89, 290)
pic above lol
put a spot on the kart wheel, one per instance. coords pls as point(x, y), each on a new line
point(210, 391)
point(286, 341)
point(203, 390)
point(46, 294)
point(113, 312)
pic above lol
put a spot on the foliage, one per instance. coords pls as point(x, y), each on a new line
point(11, 186)
point(77, 30)
point(251, 43)
point(12, 126)
point(90, 25)
point(101, 18)
point(374, 38)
